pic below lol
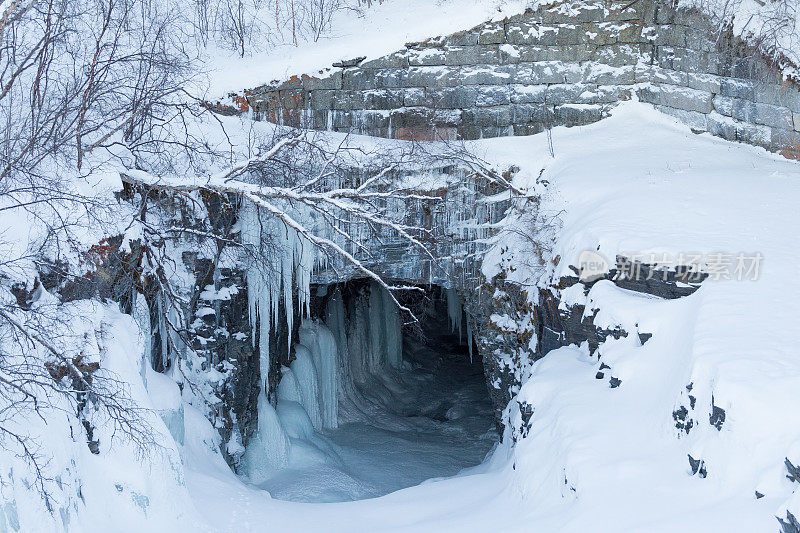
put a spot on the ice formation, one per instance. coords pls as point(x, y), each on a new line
point(469, 336)
point(454, 310)
point(280, 260)
point(393, 330)
point(268, 449)
point(328, 361)
point(306, 373)
point(141, 314)
point(331, 363)
point(335, 319)
point(321, 342)
point(294, 419)
point(289, 388)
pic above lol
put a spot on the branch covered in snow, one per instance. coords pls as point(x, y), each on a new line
point(363, 203)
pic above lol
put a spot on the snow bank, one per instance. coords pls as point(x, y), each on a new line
point(374, 32)
point(638, 183)
point(122, 484)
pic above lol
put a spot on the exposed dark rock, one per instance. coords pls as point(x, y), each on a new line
point(794, 472)
point(526, 413)
point(347, 63)
point(717, 417)
point(557, 327)
point(790, 525)
point(698, 467)
point(682, 420)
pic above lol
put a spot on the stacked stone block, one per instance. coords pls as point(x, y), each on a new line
point(560, 64)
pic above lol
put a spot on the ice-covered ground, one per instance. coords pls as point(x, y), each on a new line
point(429, 425)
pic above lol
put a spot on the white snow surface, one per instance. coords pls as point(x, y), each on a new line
point(596, 458)
point(381, 29)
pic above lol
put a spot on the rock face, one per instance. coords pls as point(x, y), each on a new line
point(514, 333)
point(556, 65)
point(458, 227)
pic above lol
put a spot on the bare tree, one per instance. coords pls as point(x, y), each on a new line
point(90, 88)
point(76, 77)
point(275, 181)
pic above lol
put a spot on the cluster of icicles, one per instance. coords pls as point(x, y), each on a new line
point(330, 357)
point(455, 312)
point(333, 357)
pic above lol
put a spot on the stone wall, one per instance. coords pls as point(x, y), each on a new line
point(556, 65)
point(458, 227)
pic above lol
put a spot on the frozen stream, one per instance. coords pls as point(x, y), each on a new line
point(368, 414)
point(420, 421)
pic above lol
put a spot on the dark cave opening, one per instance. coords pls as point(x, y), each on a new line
point(402, 418)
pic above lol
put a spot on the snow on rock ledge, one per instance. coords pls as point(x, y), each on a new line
point(561, 63)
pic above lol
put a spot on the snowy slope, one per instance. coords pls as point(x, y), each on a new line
point(603, 459)
point(376, 31)
point(639, 183)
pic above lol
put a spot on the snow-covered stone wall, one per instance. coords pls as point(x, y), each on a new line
point(560, 64)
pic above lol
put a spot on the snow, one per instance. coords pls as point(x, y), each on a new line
point(116, 487)
point(615, 454)
point(381, 29)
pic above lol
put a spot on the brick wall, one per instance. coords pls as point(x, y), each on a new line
point(556, 65)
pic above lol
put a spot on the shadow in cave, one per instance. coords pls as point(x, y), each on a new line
point(411, 399)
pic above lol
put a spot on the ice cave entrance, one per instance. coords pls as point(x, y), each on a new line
point(369, 404)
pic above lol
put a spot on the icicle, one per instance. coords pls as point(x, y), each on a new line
point(268, 450)
point(287, 273)
point(260, 298)
point(454, 310)
point(271, 278)
point(305, 259)
point(141, 313)
point(321, 342)
point(289, 388)
point(306, 374)
point(335, 320)
point(358, 338)
point(393, 330)
point(176, 342)
point(377, 339)
point(469, 337)
point(163, 335)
